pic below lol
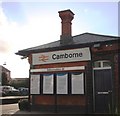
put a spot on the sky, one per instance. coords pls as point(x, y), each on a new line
point(29, 24)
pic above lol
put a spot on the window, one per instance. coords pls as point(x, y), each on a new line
point(102, 64)
point(62, 83)
point(48, 83)
point(35, 84)
point(58, 83)
point(97, 64)
point(77, 80)
point(106, 64)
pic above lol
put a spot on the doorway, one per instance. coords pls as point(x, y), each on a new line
point(102, 87)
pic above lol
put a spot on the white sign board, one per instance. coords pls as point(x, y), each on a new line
point(78, 83)
point(48, 84)
point(35, 84)
point(58, 69)
point(62, 83)
point(73, 55)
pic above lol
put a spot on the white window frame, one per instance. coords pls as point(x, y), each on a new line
point(101, 65)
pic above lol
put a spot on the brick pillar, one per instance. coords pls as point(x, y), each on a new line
point(66, 30)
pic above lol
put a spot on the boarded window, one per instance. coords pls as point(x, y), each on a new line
point(62, 83)
point(48, 83)
point(35, 84)
point(77, 83)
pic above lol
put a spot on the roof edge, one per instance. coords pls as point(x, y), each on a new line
point(111, 36)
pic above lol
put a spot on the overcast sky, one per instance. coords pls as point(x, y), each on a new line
point(29, 24)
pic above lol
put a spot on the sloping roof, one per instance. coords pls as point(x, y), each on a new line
point(93, 38)
point(84, 38)
point(4, 69)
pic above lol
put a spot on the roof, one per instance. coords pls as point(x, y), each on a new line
point(82, 39)
point(4, 69)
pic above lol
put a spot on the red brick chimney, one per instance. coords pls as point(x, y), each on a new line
point(66, 17)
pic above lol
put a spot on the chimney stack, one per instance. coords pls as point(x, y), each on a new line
point(66, 35)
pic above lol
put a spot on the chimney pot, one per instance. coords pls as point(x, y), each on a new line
point(66, 17)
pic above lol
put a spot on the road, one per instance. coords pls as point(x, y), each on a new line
point(9, 109)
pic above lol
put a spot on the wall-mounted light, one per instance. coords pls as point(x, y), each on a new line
point(23, 57)
point(107, 45)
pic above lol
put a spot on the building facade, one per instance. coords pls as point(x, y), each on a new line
point(75, 73)
point(6, 72)
point(19, 80)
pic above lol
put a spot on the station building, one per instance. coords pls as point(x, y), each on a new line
point(76, 73)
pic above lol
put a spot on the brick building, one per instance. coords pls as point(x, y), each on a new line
point(75, 73)
point(5, 71)
point(19, 80)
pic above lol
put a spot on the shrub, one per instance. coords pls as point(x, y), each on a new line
point(23, 104)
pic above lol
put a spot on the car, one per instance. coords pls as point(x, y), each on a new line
point(9, 90)
point(2, 93)
point(4, 90)
point(13, 91)
point(23, 90)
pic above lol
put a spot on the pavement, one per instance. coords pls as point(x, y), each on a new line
point(32, 113)
point(9, 107)
point(13, 110)
point(38, 113)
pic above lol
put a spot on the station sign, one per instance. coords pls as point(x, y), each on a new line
point(62, 56)
point(58, 69)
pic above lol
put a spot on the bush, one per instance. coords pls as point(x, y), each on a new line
point(23, 104)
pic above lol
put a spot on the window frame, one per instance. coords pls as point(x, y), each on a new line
point(101, 65)
point(31, 76)
point(83, 83)
point(43, 84)
point(69, 83)
point(67, 89)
